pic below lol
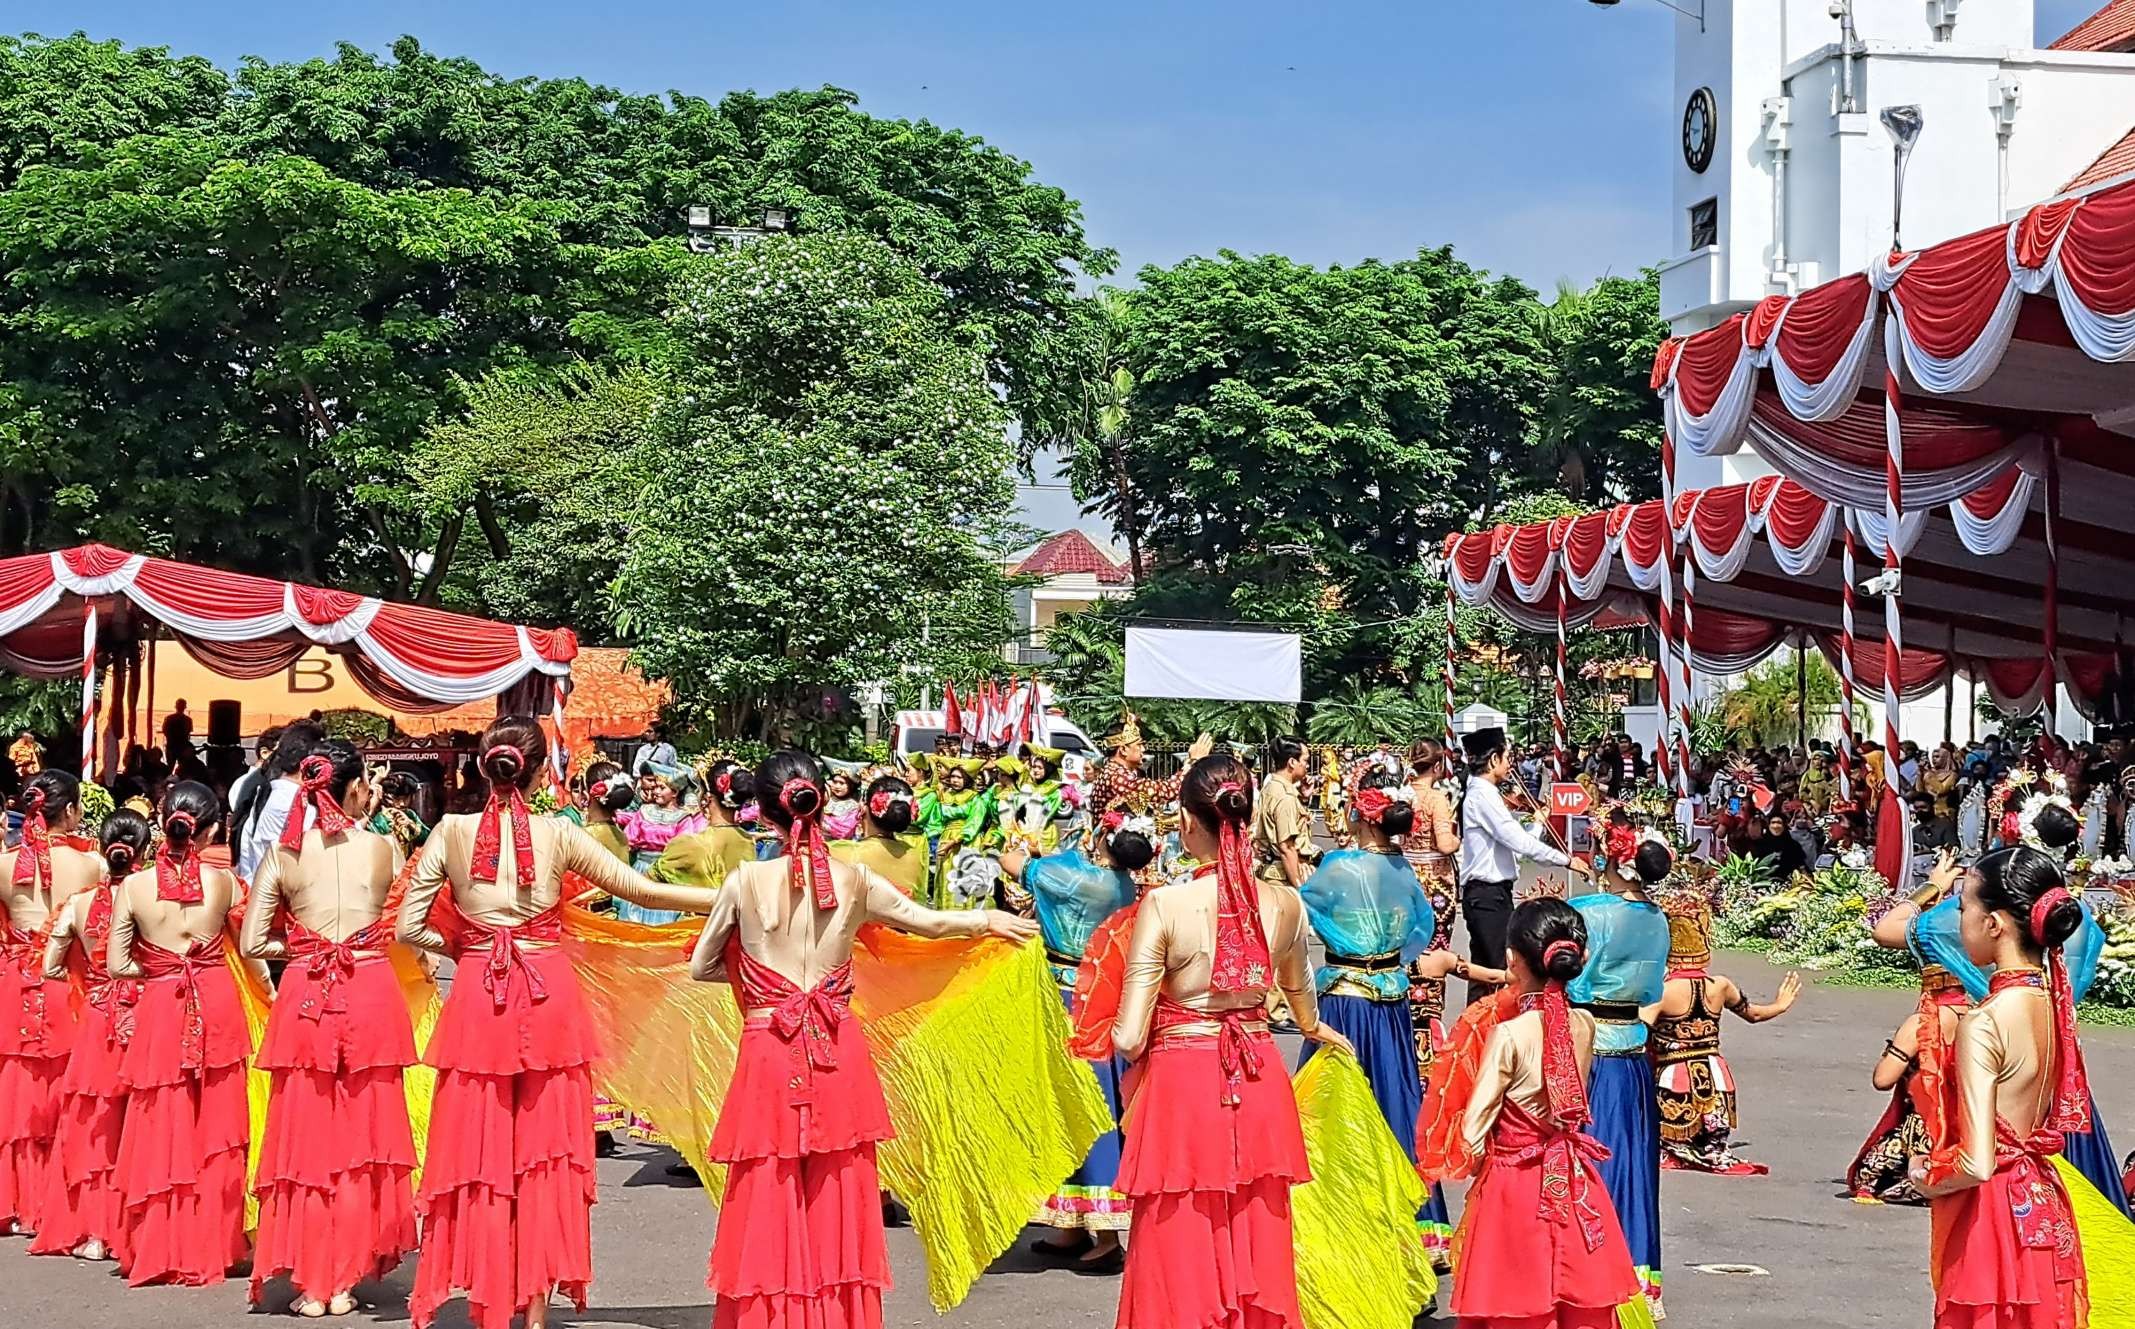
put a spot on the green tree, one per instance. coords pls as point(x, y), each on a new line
point(1765, 707)
point(793, 491)
point(1598, 431)
point(62, 97)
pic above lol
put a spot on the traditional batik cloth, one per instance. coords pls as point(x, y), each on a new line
point(1696, 1089)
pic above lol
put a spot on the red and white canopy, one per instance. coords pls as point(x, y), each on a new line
point(2010, 416)
point(250, 627)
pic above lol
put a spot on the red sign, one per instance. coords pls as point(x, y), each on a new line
point(1568, 800)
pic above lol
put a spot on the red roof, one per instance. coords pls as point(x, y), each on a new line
point(2110, 29)
point(2113, 163)
point(1069, 552)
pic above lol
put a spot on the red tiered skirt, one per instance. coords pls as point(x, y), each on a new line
point(800, 1242)
point(508, 1183)
point(1986, 1276)
point(181, 1164)
point(1210, 1180)
point(1523, 1262)
point(336, 1204)
point(82, 1201)
point(37, 1032)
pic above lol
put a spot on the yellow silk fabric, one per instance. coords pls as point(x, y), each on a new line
point(968, 1037)
point(1360, 1260)
point(2108, 1251)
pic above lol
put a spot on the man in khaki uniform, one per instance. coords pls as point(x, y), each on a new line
point(1282, 828)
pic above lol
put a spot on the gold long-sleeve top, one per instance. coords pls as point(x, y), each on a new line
point(2004, 1067)
point(559, 847)
point(73, 871)
point(902, 859)
point(781, 927)
point(136, 911)
point(1172, 953)
point(1512, 1069)
point(335, 888)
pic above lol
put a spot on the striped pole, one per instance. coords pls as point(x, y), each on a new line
point(1563, 728)
point(2050, 634)
point(1893, 510)
point(1664, 679)
point(1452, 667)
point(1669, 691)
point(1683, 700)
point(89, 691)
point(1848, 752)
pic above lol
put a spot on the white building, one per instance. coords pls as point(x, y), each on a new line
point(1783, 172)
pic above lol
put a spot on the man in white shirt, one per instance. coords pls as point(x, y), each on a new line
point(1492, 843)
point(295, 744)
point(654, 753)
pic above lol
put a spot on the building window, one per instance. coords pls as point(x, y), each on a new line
point(1705, 224)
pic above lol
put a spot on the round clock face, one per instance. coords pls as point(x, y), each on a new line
point(1701, 125)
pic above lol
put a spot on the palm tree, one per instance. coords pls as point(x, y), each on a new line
point(1766, 706)
point(1097, 437)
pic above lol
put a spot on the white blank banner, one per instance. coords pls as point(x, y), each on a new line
point(1214, 666)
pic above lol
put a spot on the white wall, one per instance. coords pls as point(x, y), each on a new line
point(1838, 166)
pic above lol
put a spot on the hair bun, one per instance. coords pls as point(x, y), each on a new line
point(1233, 802)
point(802, 798)
point(2061, 922)
point(119, 855)
point(1563, 960)
point(504, 764)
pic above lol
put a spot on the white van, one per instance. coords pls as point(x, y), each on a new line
point(915, 731)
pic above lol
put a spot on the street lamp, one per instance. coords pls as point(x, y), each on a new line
point(705, 237)
point(1698, 13)
point(1904, 124)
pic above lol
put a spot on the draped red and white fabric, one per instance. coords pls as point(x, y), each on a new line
point(250, 627)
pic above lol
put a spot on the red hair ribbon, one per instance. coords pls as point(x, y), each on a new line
point(1371, 804)
point(1561, 1080)
point(178, 873)
point(2069, 1109)
point(314, 773)
point(488, 832)
point(880, 802)
point(33, 861)
point(1241, 962)
point(808, 855)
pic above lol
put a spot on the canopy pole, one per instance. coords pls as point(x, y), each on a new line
point(1801, 692)
point(1561, 729)
point(1949, 689)
point(1893, 562)
point(1452, 648)
point(2050, 635)
point(1683, 699)
point(148, 700)
point(88, 734)
point(1664, 678)
point(1848, 748)
point(559, 751)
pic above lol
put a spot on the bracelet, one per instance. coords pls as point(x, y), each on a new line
point(1891, 1049)
point(1926, 895)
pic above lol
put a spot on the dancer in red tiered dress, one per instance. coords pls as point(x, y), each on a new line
point(181, 1167)
point(82, 1213)
point(335, 1202)
point(508, 1186)
point(1539, 1245)
point(2006, 1251)
point(37, 1014)
point(1213, 1143)
point(800, 1242)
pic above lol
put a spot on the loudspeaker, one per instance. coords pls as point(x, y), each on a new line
point(224, 717)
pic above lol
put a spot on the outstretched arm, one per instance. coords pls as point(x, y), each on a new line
point(1738, 1001)
point(579, 852)
point(893, 908)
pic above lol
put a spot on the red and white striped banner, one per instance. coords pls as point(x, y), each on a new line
point(1893, 510)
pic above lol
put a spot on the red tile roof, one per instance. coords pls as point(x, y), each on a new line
point(1069, 552)
point(2110, 29)
point(2116, 161)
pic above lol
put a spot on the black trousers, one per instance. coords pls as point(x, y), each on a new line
point(1488, 906)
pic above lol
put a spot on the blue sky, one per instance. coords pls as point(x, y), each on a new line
point(1532, 135)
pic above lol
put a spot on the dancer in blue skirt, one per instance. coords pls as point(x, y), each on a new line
point(1074, 893)
point(1377, 922)
point(1627, 968)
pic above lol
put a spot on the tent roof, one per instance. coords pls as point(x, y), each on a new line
point(248, 627)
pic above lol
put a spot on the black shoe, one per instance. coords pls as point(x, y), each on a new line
point(1110, 1264)
point(895, 1214)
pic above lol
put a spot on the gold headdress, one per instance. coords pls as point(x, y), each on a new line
point(1129, 731)
point(1687, 899)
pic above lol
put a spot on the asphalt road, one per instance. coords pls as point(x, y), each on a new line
point(1806, 1104)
